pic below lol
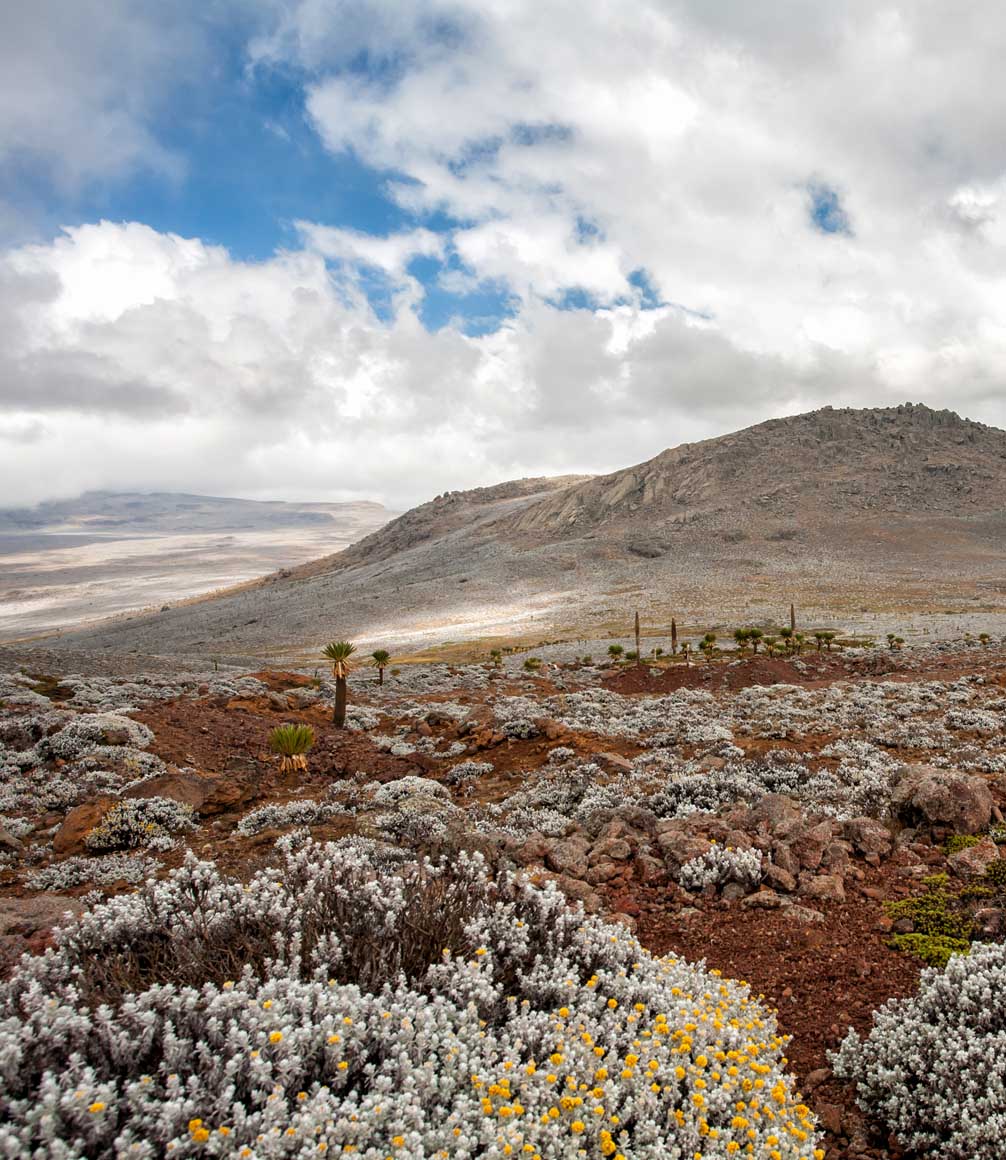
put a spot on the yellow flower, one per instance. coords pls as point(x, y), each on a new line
point(96, 1107)
point(200, 1135)
point(398, 1141)
point(577, 1126)
point(275, 1036)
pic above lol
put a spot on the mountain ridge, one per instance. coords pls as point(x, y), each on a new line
point(836, 507)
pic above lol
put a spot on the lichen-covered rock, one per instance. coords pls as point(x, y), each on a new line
point(925, 795)
point(868, 836)
point(973, 861)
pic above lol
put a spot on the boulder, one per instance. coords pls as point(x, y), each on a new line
point(533, 849)
point(973, 861)
point(603, 872)
point(775, 808)
point(868, 836)
point(763, 900)
point(9, 844)
point(610, 850)
point(809, 844)
point(613, 762)
point(828, 887)
point(925, 796)
point(785, 859)
point(835, 858)
point(650, 870)
point(778, 878)
point(191, 789)
point(679, 848)
point(803, 914)
point(78, 823)
point(568, 856)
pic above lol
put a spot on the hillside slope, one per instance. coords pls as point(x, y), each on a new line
point(840, 510)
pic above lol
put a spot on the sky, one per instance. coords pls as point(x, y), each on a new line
point(372, 249)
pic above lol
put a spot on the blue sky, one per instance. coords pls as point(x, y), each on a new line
point(436, 244)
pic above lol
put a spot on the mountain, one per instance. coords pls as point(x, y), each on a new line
point(102, 553)
point(149, 513)
point(846, 512)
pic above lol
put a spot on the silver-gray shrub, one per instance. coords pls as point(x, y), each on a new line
point(720, 865)
point(332, 1001)
point(141, 822)
point(933, 1067)
point(304, 812)
point(100, 871)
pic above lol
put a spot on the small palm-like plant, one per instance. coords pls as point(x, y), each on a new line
point(983, 638)
point(292, 743)
point(742, 636)
point(755, 635)
point(686, 649)
point(615, 651)
point(496, 656)
point(380, 658)
point(532, 664)
point(339, 652)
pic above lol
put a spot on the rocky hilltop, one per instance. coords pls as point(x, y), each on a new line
point(841, 510)
point(801, 470)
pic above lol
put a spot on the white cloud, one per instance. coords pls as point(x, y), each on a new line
point(571, 144)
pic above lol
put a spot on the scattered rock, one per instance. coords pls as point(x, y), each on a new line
point(973, 861)
point(827, 887)
point(9, 843)
point(778, 878)
point(927, 796)
point(763, 900)
point(79, 822)
point(868, 836)
point(803, 914)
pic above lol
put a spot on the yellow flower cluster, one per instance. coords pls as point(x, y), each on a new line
point(717, 1090)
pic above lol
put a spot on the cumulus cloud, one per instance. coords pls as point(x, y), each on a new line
point(815, 199)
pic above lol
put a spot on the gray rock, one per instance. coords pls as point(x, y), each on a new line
point(778, 878)
point(927, 796)
point(804, 914)
point(975, 860)
point(9, 843)
point(868, 836)
point(568, 856)
point(827, 887)
point(774, 809)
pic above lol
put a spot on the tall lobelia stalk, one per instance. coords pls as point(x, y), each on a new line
point(674, 637)
point(339, 652)
point(639, 655)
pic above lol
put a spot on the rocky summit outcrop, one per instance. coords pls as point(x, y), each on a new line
point(835, 508)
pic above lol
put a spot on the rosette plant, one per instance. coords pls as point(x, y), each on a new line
point(292, 743)
point(339, 652)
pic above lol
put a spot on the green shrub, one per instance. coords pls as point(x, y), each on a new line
point(932, 913)
point(933, 950)
point(957, 842)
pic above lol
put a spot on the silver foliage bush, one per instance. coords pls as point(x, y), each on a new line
point(933, 1067)
point(335, 1004)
